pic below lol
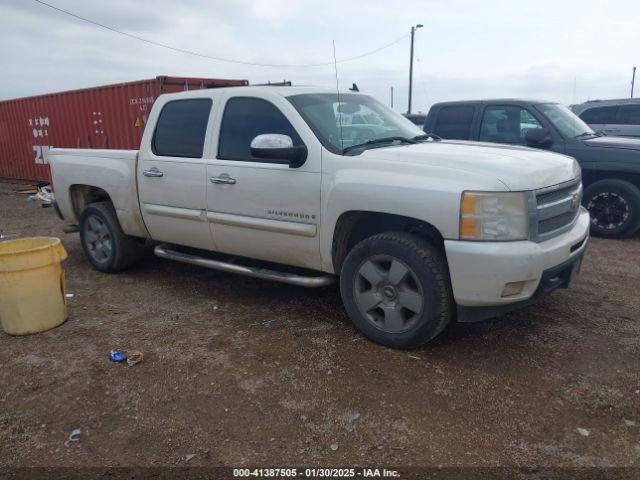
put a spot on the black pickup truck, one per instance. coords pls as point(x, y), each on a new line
point(610, 165)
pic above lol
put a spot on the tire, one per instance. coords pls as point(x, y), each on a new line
point(614, 206)
point(401, 313)
point(104, 243)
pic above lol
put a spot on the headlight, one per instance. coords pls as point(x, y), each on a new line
point(494, 216)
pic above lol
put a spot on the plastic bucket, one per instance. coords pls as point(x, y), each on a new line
point(32, 292)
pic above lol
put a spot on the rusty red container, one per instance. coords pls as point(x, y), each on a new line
point(110, 116)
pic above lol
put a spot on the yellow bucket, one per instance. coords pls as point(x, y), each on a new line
point(32, 292)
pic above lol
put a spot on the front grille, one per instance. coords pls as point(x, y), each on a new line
point(556, 209)
point(554, 223)
point(544, 198)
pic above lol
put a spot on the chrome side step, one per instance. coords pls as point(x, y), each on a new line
point(165, 251)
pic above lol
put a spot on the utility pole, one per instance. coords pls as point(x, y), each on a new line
point(413, 31)
point(633, 80)
point(392, 98)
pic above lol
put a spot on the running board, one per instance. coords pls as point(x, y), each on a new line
point(165, 251)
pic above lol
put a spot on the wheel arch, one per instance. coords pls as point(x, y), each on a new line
point(356, 225)
point(82, 195)
point(589, 177)
point(127, 211)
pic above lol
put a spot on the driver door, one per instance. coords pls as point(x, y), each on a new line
point(261, 208)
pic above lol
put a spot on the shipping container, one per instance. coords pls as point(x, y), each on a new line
point(110, 116)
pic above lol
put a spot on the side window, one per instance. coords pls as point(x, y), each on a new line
point(506, 124)
point(628, 115)
point(599, 115)
point(244, 119)
point(454, 122)
point(181, 128)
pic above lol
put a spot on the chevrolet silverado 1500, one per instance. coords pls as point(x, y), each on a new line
point(309, 186)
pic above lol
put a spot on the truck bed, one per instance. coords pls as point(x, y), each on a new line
point(112, 171)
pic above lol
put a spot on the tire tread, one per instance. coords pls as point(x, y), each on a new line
point(435, 262)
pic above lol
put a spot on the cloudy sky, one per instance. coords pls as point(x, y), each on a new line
point(563, 50)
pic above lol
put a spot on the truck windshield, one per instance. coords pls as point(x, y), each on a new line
point(567, 122)
point(350, 120)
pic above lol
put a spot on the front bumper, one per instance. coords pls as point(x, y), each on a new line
point(481, 272)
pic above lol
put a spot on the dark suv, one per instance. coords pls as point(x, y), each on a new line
point(613, 117)
point(610, 165)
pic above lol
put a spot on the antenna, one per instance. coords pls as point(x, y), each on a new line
point(335, 66)
point(575, 81)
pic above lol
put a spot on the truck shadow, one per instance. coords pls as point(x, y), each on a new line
point(323, 304)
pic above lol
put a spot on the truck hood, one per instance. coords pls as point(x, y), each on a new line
point(614, 142)
point(518, 168)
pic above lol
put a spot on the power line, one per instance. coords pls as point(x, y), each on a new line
point(211, 57)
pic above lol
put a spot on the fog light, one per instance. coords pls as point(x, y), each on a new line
point(512, 288)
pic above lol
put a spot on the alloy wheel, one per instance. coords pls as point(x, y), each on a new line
point(98, 239)
point(388, 293)
point(608, 210)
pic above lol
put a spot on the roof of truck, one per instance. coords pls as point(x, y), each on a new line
point(495, 100)
point(284, 91)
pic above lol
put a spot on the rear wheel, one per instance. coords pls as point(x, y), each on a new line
point(614, 206)
point(105, 244)
point(395, 287)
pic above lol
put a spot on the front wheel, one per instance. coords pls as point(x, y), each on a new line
point(614, 206)
point(395, 287)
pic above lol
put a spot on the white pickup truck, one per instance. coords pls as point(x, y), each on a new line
point(309, 185)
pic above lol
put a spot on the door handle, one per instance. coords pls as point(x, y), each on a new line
point(153, 172)
point(224, 179)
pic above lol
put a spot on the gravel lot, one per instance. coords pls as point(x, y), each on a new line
point(242, 372)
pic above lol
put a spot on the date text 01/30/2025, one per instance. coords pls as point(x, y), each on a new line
point(315, 473)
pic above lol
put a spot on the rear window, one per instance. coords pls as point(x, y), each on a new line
point(181, 128)
point(628, 115)
point(599, 115)
point(454, 122)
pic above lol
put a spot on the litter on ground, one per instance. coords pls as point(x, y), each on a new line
point(117, 356)
point(74, 436)
point(134, 357)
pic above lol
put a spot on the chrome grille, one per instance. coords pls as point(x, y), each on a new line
point(555, 209)
point(544, 197)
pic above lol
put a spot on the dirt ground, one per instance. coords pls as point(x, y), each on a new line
point(243, 372)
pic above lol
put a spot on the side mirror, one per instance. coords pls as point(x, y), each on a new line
point(538, 138)
point(274, 146)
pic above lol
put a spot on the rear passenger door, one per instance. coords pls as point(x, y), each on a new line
point(262, 208)
point(172, 174)
point(454, 122)
point(628, 121)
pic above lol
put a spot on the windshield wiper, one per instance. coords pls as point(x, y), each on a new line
point(585, 134)
point(377, 141)
point(427, 136)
